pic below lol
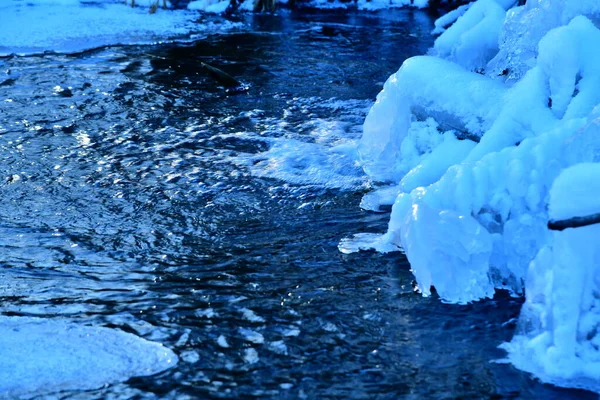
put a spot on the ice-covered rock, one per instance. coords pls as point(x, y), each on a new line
point(473, 39)
point(525, 26)
point(558, 338)
point(505, 195)
point(472, 215)
point(425, 97)
point(560, 87)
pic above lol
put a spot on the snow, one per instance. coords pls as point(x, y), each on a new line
point(44, 356)
point(559, 342)
point(211, 6)
point(576, 192)
point(449, 18)
point(68, 26)
point(473, 39)
point(476, 147)
point(451, 98)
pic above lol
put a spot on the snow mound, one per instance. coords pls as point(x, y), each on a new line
point(42, 356)
point(574, 192)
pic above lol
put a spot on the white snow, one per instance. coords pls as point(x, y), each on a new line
point(473, 39)
point(67, 26)
point(211, 6)
point(559, 343)
point(44, 356)
point(425, 96)
point(449, 18)
point(476, 164)
point(576, 192)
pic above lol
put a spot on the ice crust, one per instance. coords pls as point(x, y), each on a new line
point(478, 146)
point(44, 356)
point(68, 26)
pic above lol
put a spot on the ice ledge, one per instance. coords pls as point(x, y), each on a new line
point(43, 356)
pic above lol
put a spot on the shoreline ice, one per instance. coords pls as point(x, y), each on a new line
point(474, 219)
point(72, 26)
point(41, 356)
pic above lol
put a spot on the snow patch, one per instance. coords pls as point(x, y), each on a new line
point(44, 356)
point(69, 26)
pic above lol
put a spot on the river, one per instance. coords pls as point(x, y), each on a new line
point(138, 194)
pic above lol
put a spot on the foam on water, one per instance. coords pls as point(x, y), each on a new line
point(321, 151)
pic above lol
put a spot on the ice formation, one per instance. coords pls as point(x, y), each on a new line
point(44, 356)
point(478, 146)
point(559, 339)
point(473, 39)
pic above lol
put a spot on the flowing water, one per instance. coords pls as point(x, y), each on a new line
point(138, 194)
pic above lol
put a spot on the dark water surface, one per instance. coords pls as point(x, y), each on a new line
point(137, 194)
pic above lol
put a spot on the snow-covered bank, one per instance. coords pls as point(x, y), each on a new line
point(42, 356)
point(36, 26)
point(220, 6)
point(517, 86)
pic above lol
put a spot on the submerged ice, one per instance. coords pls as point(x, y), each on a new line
point(476, 147)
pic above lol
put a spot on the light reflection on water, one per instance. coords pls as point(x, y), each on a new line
point(147, 199)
